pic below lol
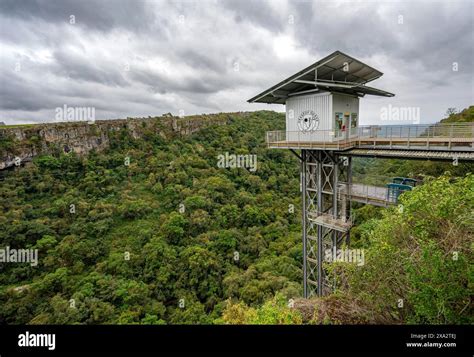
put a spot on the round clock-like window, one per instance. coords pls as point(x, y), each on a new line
point(308, 121)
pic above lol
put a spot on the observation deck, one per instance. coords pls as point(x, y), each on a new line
point(417, 141)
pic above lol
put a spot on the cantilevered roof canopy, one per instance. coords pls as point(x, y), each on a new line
point(337, 72)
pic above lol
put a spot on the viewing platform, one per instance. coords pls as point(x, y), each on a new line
point(330, 221)
point(454, 137)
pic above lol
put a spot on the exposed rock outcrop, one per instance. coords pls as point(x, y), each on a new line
point(22, 143)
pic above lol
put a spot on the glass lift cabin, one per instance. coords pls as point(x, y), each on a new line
point(323, 130)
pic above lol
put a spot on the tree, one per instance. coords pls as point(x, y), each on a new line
point(273, 312)
point(199, 271)
point(450, 111)
point(174, 229)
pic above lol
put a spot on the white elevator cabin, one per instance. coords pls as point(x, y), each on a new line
point(325, 116)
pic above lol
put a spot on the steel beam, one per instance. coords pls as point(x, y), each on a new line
point(303, 202)
point(324, 215)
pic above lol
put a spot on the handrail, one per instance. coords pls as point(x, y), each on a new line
point(413, 135)
point(364, 193)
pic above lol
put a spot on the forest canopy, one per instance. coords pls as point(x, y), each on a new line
point(155, 231)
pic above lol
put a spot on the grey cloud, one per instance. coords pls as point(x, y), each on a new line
point(432, 35)
point(70, 66)
point(259, 13)
point(83, 64)
point(102, 15)
point(18, 96)
point(158, 83)
point(201, 60)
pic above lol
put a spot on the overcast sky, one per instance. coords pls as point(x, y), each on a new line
point(140, 58)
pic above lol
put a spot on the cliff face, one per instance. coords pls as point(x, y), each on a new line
point(21, 143)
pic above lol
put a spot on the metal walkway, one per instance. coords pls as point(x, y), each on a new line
point(356, 192)
point(372, 195)
point(409, 141)
point(412, 154)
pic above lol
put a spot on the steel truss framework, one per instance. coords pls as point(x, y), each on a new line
point(326, 217)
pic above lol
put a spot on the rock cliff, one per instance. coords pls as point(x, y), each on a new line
point(21, 143)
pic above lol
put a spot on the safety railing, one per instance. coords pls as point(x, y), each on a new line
point(325, 139)
point(404, 136)
point(418, 131)
point(365, 193)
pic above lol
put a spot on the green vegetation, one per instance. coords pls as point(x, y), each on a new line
point(418, 267)
point(152, 231)
point(419, 255)
point(18, 126)
point(167, 238)
point(274, 312)
point(464, 116)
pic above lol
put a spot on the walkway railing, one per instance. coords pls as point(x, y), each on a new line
point(324, 139)
point(452, 136)
point(373, 195)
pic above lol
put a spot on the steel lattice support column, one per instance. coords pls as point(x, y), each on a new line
point(326, 214)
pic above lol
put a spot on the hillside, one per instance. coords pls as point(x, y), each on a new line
point(152, 229)
point(24, 142)
point(418, 268)
point(464, 116)
point(157, 231)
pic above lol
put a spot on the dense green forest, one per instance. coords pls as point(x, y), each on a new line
point(153, 231)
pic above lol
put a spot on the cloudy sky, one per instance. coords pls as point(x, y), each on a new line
point(139, 58)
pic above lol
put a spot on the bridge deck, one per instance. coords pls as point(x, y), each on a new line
point(452, 138)
point(412, 154)
point(373, 195)
point(449, 144)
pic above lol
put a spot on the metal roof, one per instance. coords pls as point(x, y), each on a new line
point(337, 72)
